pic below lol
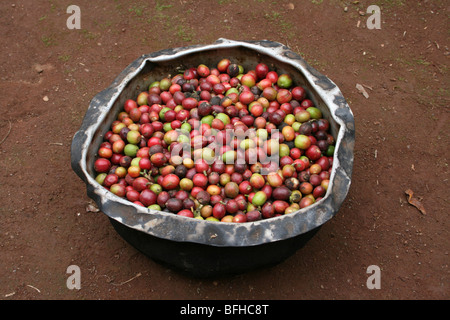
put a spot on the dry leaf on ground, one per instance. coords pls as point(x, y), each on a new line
point(414, 201)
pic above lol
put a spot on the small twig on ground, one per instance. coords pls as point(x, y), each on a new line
point(362, 90)
point(122, 283)
point(29, 285)
point(7, 134)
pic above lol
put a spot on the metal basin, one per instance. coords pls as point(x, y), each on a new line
point(204, 248)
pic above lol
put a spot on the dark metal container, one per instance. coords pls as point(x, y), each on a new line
point(204, 248)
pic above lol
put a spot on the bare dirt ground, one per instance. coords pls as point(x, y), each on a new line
point(49, 74)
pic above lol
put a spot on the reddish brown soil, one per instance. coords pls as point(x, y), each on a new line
point(401, 138)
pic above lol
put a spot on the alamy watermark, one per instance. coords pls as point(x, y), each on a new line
point(374, 280)
point(250, 156)
point(74, 21)
point(74, 280)
point(374, 20)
